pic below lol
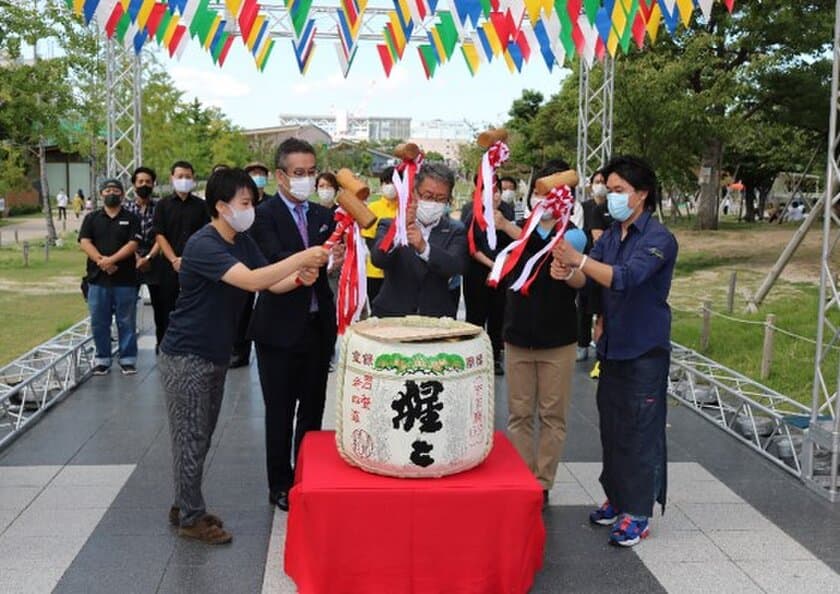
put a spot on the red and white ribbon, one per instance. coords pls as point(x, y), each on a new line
point(352, 282)
point(492, 159)
point(403, 179)
point(559, 203)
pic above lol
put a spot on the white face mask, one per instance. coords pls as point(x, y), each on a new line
point(599, 190)
point(429, 212)
point(302, 187)
point(508, 196)
point(183, 185)
point(535, 200)
point(389, 191)
point(326, 196)
point(240, 220)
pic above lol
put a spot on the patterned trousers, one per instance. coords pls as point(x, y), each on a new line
point(194, 388)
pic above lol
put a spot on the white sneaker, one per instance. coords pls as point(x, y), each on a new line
point(582, 354)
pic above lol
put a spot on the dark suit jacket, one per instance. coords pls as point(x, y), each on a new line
point(280, 320)
point(413, 286)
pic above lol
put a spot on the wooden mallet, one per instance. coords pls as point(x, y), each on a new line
point(351, 198)
point(562, 178)
point(490, 137)
point(407, 151)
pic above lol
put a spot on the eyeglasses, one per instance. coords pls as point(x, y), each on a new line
point(302, 172)
point(433, 197)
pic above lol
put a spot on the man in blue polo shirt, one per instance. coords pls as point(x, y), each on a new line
point(110, 236)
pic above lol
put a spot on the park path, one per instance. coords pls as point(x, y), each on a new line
point(34, 229)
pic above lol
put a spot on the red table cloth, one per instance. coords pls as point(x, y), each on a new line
point(479, 531)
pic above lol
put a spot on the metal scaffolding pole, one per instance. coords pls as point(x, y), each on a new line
point(124, 93)
point(822, 442)
point(595, 118)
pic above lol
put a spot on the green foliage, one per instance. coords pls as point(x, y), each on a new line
point(756, 81)
point(174, 129)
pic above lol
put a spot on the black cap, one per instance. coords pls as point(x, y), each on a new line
point(111, 183)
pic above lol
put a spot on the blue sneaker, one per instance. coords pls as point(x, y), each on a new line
point(606, 515)
point(629, 531)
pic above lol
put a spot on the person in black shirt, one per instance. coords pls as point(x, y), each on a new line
point(176, 218)
point(540, 333)
point(484, 304)
point(146, 257)
point(593, 227)
point(110, 236)
point(259, 173)
point(221, 265)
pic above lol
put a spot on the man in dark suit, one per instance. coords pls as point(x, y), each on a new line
point(417, 275)
point(294, 333)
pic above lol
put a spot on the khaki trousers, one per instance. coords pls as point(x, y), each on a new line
point(539, 380)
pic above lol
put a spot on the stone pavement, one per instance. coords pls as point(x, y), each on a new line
point(84, 496)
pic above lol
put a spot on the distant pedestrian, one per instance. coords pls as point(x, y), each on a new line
point(61, 201)
point(78, 203)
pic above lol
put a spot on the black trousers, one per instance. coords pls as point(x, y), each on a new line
point(373, 287)
point(241, 344)
point(167, 295)
point(632, 409)
point(485, 305)
point(584, 318)
point(294, 387)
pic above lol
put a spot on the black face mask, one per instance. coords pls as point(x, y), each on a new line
point(112, 200)
point(143, 191)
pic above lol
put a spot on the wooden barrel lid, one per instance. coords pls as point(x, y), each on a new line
point(415, 329)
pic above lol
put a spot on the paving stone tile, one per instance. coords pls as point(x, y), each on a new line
point(212, 579)
point(7, 516)
point(76, 496)
point(48, 522)
point(570, 494)
point(94, 475)
point(244, 550)
point(27, 476)
point(126, 551)
point(700, 491)
point(17, 498)
point(720, 577)
point(594, 576)
point(105, 580)
point(759, 545)
point(26, 581)
point(724, 516)
point(679, 546)
point(784, 576)
point(35, 552)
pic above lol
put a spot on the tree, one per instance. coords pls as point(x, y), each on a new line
point(434, 156)
point(35, 105)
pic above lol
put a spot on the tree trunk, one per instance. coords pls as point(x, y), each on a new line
point(707, 204)
point(748, 199)
point(52, 236)
point(762, 202)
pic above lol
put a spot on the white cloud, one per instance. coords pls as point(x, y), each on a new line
point(209, 85)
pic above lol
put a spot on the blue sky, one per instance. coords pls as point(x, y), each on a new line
point(254, 99)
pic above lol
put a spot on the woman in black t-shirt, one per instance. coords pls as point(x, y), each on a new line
point(221, 264)
point(540, 333)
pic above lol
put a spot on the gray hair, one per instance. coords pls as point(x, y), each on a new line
point(436, 171)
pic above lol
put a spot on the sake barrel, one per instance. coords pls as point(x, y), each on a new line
point(415, 396)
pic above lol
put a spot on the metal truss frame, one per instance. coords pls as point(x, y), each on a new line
point(124, 94)
point(768, 422)
point(33, 383)
point(595, 118)
point(824, 428)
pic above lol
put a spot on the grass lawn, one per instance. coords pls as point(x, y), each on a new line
point(38, 302)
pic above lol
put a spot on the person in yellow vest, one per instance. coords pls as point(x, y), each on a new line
point(384, 208)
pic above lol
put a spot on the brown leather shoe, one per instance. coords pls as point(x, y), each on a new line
point(175, 512)
point(206, 532)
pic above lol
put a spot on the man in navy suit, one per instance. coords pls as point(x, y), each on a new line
point(417, 275)
point(294, 333)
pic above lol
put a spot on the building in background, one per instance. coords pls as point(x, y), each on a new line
point(345, 126)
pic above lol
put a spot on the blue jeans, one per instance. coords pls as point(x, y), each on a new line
point(105, 302)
